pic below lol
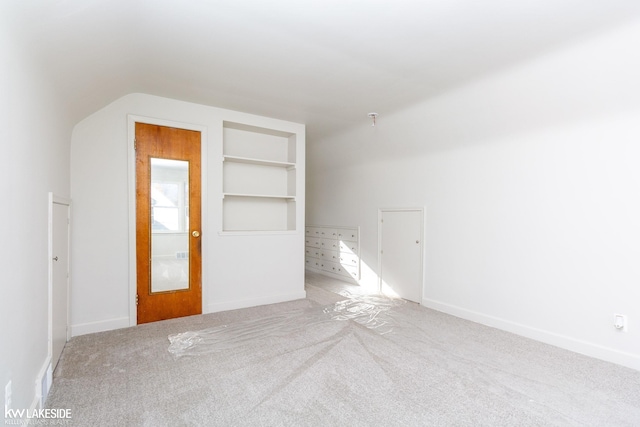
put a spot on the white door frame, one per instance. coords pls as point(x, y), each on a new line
point(408, 209)
point(53, 199)
point(131, 135)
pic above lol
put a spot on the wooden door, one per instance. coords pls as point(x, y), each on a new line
point(168, 208)
point(401, 253)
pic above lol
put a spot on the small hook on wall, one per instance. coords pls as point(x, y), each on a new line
point(373, 117)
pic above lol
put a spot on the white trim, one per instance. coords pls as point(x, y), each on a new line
point(100, 326)
point(253, 302)
point(132, 119)
point(422, 228)
point(563, 341)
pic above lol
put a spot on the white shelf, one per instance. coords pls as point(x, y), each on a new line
point(237, 159)
point(256, 232)
point(268, 196)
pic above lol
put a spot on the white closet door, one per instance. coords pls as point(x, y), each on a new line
point(401, 253)
point(60, 280)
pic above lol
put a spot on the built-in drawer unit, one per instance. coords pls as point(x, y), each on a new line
point(329, 255)
point(333, 251)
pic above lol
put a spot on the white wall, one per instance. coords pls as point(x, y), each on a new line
point(238, 271)
point(34, 141)
point(531, 187)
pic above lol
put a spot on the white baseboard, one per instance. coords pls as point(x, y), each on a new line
point(100, 326)
point(123, 322)
point(583, 347)
point(253, 302)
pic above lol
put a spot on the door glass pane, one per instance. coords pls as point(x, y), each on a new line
point(169, 225)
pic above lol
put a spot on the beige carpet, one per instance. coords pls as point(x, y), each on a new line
point(427, 369)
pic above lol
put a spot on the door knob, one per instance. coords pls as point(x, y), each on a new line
point(56, 258)
point(195, 233)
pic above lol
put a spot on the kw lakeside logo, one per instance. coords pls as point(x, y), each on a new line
point(45, 416)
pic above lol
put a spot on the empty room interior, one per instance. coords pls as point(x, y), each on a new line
point(320, 212)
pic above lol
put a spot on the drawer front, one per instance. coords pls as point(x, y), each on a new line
point(316, 263)
point(328, 233)
point(332, 267)
point(347, 259)
point(350, 271)
point(324, 232)
point(329, 255)
point(347, 235)
point(312, 242)
point(313, 231)
point(312, 252)
point(329, 244)
point(327, 265)
point(348, 247)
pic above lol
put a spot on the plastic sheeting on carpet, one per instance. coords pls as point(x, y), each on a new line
point(370, 311)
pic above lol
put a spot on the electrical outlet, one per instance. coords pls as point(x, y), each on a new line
point(7, 395)
point(620, 322)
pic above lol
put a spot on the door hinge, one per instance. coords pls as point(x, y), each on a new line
point(136, 299)
point(135, 144)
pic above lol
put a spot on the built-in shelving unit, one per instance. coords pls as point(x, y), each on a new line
point(333, 251)
point(259, 179)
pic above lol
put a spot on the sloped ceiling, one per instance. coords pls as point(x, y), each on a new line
point(326, 63)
